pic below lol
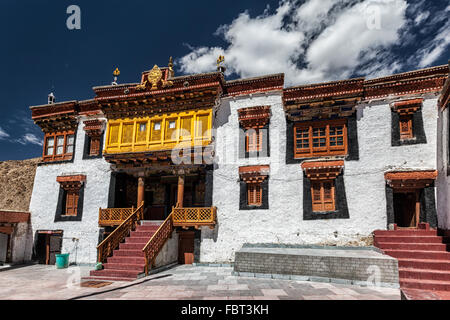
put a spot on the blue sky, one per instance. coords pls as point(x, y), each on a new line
point(309, 40)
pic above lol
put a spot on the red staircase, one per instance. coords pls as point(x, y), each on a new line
point(423, 257)
point(127, 262)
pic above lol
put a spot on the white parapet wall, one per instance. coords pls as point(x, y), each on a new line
point(283, 222)
point(80, 238)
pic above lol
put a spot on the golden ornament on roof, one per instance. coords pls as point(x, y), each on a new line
point(116, 72)
point(220, 60)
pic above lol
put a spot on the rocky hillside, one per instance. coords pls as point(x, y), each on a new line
point(16, 184)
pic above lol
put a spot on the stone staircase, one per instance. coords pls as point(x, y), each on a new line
point(423, 257)
point(127, 262)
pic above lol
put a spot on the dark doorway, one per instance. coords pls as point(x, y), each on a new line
point(406, 209)
point(186, 247)
point(47, 246)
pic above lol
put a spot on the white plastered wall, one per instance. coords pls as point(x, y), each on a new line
point(80, 238)
point(283, 223)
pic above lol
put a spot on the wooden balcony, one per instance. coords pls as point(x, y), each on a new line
point(113, 216)
point(194, 217)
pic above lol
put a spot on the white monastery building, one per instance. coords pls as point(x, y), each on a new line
point(190, 168)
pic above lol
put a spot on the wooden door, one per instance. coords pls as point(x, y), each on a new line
point(186, 247)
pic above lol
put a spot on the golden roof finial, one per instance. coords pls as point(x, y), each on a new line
point(116, 73)
point(171, 72)
point(220, 62)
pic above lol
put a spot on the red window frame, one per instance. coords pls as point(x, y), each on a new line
point(406, 128)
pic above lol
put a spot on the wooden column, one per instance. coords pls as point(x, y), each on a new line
point(141, 191)
point(180, 193)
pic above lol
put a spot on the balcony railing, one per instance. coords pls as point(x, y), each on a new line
point(113, 216)
point(194, 217)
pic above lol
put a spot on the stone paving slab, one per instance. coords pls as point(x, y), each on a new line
point(40, 282)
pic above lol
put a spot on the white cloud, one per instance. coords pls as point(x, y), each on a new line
point(319, 40)
point(3, 134)
point(30, 138)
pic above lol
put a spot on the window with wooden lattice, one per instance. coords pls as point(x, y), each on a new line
point(253, 140)
point(406, 127)
point(323, 195)
point(71, 203)
point(320, 138)
point(94, 147)
point(59, 146)
point(254, 194)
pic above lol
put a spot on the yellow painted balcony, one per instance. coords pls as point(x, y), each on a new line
point(194, 217)
point(113, 216)
point(160, 132)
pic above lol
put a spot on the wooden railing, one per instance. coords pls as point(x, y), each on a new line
point(113, 216)
point(107, 246)
point(194, 217)
point(156, 243)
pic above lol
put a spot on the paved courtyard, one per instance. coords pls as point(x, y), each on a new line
point(40, 282)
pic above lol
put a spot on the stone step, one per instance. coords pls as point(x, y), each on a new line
point(409, 239)
point(116, 273)
point(424, 264)
point(126, 260)
point(405, 233)
point(423, 274)
point(416, 254)
point(412, 246)
point(128, 253)
point(124, 266)
point(438, 285)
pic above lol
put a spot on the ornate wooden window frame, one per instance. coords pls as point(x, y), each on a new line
point(254, 187)
point(94, 138)
point(64, 155)
point(70, 202)
point(327, 149)
point(318, 173)
point(254, 121)
point(406, 110)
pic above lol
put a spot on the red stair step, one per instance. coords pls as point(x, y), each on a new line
point(124, 266)
point(142, 234)
point(137, 240)
point(424, 264)
point(409, 239)
point(432, 255)
point(424, 274)
point(128, 253)
point(412, 246)
point(132, 246)
point(405, 233)
point(125, 260)
point(438, 285)
point(147, 228)
point(98, 278)
point(116, 273)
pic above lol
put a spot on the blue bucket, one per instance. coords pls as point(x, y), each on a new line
point(62, 261)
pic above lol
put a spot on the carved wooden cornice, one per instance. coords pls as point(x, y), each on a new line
point(323, 170)
point(411, 179)
point(93, 128)
point(254, 174)
point(254, 117)
point(71, 183)
point(407, 107)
